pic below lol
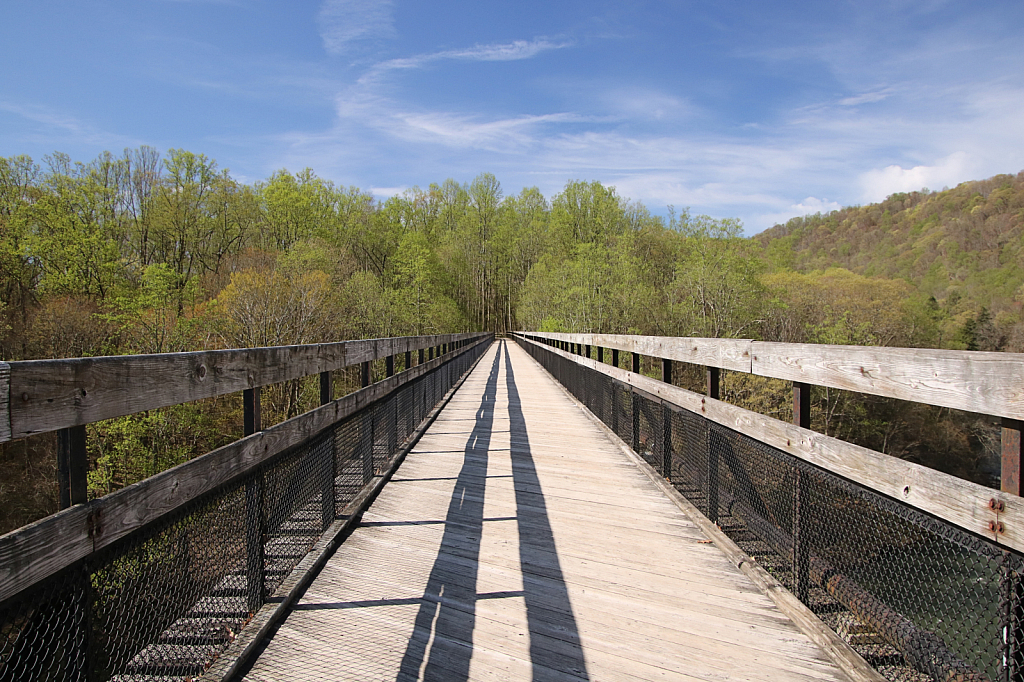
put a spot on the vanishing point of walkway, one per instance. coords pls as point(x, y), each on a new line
point(518, 542)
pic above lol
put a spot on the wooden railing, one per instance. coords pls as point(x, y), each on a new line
point(840, 524)
point(986, 383)
point(307, 476)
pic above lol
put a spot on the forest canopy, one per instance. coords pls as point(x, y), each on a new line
point(146, 252)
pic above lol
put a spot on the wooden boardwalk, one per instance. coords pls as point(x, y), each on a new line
point(518, 542)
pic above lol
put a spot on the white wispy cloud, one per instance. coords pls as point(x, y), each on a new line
point(344, 22)
point(897, 122)
point(62, 127)
point(497, 52)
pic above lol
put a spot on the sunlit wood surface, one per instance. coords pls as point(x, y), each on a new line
point(517, 542)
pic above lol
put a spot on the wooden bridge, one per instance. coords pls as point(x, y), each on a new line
point(519, 509)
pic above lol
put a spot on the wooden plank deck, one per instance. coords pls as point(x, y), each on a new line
point(517, 542)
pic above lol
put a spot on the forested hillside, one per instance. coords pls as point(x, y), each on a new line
point(145, 253)
point(962, 250)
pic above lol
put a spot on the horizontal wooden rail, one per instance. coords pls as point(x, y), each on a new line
point(39, 550)
point(986, 383)
point(995, 515)
point(37, 396)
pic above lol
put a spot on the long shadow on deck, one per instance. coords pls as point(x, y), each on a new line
point(447, 614)
point(554, 637)
point(448, 606)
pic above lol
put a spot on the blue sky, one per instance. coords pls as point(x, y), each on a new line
point(754, 110)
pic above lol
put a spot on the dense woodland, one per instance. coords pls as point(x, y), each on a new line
point(147, 253)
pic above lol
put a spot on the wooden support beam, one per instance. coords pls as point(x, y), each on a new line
point(252, 417)
point(714, 382)
point(1009, 480)
point(326, 387)
point(72, 466)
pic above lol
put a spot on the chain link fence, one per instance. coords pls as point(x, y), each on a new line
point(918, 598)
point(165, 601)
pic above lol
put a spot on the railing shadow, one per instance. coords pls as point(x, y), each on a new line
point(554, 636)
point(448, 606)
point(441, 645)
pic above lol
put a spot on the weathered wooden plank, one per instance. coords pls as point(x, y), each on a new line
point(731, 354)
point(962, 503)
point(31, 553)
point(46, 395)
point(988, 383)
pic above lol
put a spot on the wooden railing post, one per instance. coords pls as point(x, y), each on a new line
point(713, 375)
point(366, 437)
point(72, 466)
point(366, 377)
point(801, 550)
point(389, 366)
point(714, 382)
point(636, 406)
point(600, 353)
point(588, 350)
point(252, 417)
point(327, 510)
point(326, 388)
point(252, 422)
point(1009, 480)
point(666, 424)
point(408, 359)
point(419, 356)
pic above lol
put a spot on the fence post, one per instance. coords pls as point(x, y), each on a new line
point(600, 353)
point(711, 483)
point(389, 366)
point(255, 565)
point(636, 406)
point(72, 466)
point(326, 388)
point(801, 550)
point(366, 435)
point(327, 510)
point(1009, 480)
point(666, 424)
point(408, 359)
point(615, 394)
point(366, 378)
point(588, 350)
point(419, 359)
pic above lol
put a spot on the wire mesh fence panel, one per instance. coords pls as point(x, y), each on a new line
point(166, 600)
point(917, 597)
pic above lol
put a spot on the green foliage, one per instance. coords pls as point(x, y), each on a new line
point(144, 254)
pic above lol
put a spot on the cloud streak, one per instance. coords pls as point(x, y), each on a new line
point(343, 23)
